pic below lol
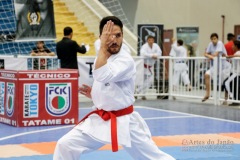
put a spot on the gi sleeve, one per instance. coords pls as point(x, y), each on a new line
point(120, 69)
point(176, 48)
point(158, 50)
point(144, 52)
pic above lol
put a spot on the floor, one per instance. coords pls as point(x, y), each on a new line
point(185, 130)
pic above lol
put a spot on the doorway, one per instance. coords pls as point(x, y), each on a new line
point(237, 32)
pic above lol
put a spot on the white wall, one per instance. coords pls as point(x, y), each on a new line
point(207, 15)
point(203, 13)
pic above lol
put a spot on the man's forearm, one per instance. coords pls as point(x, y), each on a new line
point(208, 55)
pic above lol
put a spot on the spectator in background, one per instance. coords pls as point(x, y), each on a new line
point(215, 49)
point(41, 50)
point(180, 73)
point(150, 52)
point(234, 74)
point(229, 45)
point(67, 50)
point(192, 52)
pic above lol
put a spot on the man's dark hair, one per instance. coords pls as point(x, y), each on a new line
point(150, 37)
point(114, 19)
point(180, 42)
point(214, 35)
point(40, 42)
point(67, 31)
point(230, 36)
point(237, 44)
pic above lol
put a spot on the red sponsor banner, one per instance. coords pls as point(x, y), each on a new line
point(39, 98)
point(8, 96)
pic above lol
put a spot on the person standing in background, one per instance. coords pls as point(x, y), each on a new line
point(235, 73)
point(192, 52)
point(215, 49)
point(229, 45)
point(41, 50)
point(180, 73)
point(150, 51)
point(67, 50)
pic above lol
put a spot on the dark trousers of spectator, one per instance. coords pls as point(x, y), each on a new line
point(191, 71)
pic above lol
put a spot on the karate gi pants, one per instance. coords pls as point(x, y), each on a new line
point(180, 73)
point(227, 84)
point(148, 80)
point(75, 143)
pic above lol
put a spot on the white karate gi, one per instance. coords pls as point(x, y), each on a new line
point(113, 89)
point(147, 52)
point(180, 66)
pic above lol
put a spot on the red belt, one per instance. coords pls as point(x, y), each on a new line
point(149, 67)
point(107, 115)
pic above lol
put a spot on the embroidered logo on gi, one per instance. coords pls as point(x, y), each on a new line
point(34, 18)
point(2, 97)
point(10, 98)
point(58, 98)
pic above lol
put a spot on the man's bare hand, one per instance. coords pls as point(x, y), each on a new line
point(106, 36)
point(155, 56)
point(85, 90)
point(211, 57)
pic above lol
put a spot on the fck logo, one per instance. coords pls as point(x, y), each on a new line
point(57, 90)
point(58, 98)
point(10, 98)
point(10, 89)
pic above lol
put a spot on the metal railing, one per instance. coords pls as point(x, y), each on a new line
point(156, 79)
point(195, 67)
point(42, 62)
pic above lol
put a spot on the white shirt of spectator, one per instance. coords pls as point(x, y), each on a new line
point(219, 47)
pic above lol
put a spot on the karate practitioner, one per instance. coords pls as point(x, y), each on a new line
point(150, 52)
point(113, 120)
point(180, 66)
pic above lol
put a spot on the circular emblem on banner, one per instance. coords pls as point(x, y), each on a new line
point(58, 97)
point(33, 18)
point(58, 102)
point(10, 107)
point(59, 106)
